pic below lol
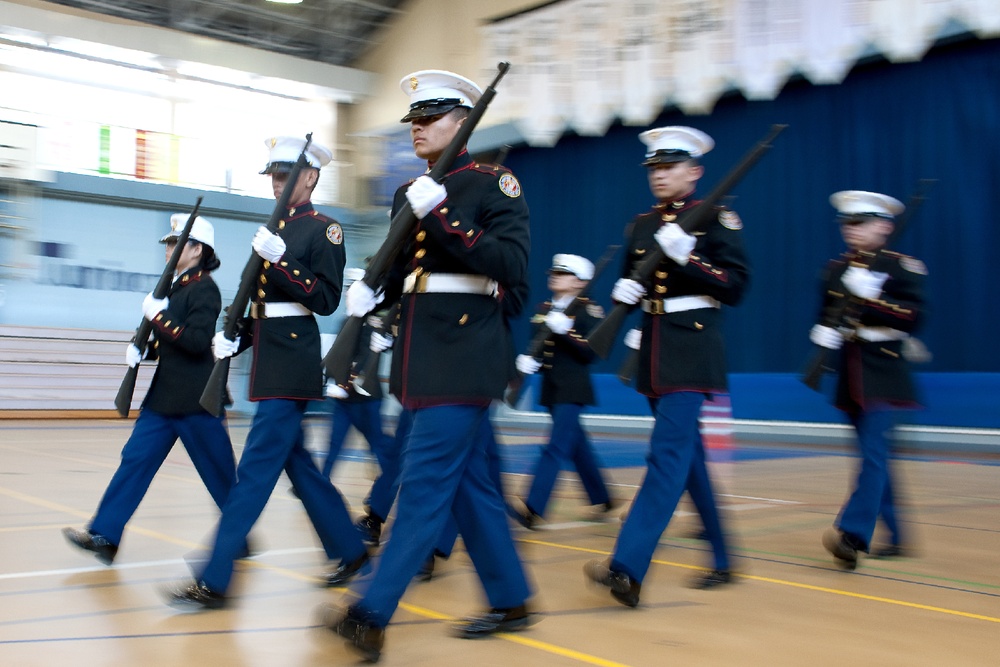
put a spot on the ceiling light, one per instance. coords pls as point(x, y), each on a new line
point(287, 2)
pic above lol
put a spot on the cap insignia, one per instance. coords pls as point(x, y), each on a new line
point(413, 83)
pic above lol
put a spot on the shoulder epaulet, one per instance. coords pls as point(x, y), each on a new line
point(487, 168)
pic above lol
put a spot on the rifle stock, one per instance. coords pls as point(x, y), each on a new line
point(833, 314)
point(214, 395)
point(603, 337)
point(123, 400)
point(367, 378)
point(537, 344)
point(626, 372)
point(340, 357)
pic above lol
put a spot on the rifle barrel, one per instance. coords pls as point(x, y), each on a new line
point(214, 394)
point(340, 357)
point(123, 400)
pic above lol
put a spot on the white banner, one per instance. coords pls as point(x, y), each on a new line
point(581, 64)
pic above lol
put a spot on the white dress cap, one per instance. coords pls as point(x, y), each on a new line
point(675, 143)
point(436, 91)
point(202, 230)
point(580, 267)
point(284, 151)
point(859, 203)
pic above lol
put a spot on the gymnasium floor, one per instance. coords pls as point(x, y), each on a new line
point(790, 606)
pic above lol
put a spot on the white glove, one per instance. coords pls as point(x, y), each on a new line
point(863, 283)
point(526, 364)
point(633, 339)
point(360, 299)
point(827, 337)
point(558, 322)
point(627, 291)
point(675, 242)
point(151, 306)
point(132, 355)
point(379, 343)
point(268, 245)
point(222, 347)
point(424, 195)
point(334, 390)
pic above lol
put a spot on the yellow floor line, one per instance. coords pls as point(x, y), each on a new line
point(792, 584)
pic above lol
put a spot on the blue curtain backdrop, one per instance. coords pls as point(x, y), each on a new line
point(884, 128)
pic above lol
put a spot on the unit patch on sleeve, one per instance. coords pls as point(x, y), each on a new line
point(334, 234)
point(730, 220)
point(913, 265)
point(510, 186)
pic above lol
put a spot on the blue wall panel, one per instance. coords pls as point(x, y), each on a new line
point(883, 129)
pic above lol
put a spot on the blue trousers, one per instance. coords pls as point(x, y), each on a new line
point(672, 450)
point(446, 542)
point(204, 437)
point(383, 492)
point(276, 442)
point(873, 493)
point(366, 417)
point(699, 487)
point(445, 473)
point(568, 444)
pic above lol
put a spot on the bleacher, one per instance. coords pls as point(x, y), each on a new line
point(61, 372)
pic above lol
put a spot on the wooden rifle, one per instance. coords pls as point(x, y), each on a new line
point(537, 345)
point(340, 357)
point(365, 379)
point(602, 338)
point(214, 395)
point(123, 400)
point(838, 310)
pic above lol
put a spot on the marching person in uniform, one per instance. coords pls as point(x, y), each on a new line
point(681, 352)
point(874, 379)
point(699, 488)
point(566, 388)
point(453, 356)
point(301, 277)
point(183, 323)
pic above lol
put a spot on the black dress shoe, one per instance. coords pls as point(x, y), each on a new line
point(493, 621)
point(371, 529)
point(88, 541)
point(712, 579)
point(526, 517)
point(426, 571)
point(343, 572)
point(193, 597)
point(842, 548)
point(892, 551)
point(361, 634)
point(624, 588)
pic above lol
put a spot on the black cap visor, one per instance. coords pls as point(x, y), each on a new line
point(666, 157)
point(434, 107)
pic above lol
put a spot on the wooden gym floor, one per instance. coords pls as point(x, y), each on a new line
point(790, 605)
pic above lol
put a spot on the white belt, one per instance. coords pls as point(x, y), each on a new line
point(677, 304)
point(457, 283)
point(879, 334)
point(262, 311)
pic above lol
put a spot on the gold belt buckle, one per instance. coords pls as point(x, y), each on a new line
point(257, 311)
point(656, 307)
point(420, 283)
